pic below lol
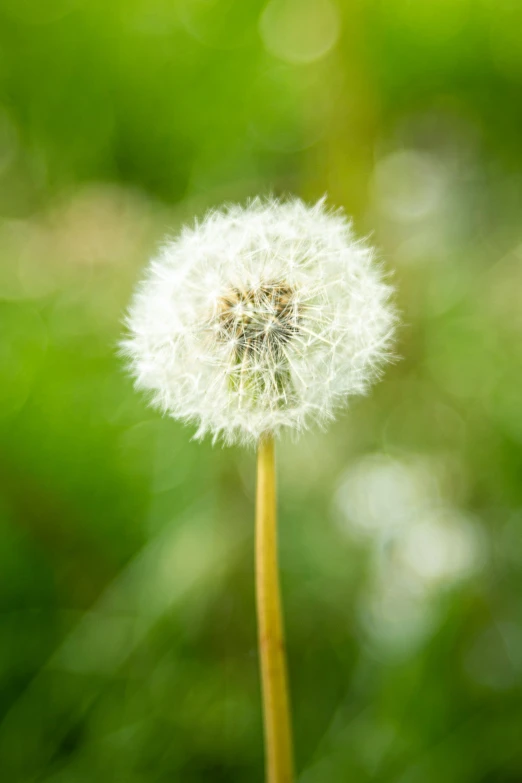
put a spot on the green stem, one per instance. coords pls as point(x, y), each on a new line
point(276, 705)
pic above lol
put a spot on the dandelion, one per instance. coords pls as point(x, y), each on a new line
point(261, 319)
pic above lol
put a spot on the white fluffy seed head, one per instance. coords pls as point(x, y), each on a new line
point(260, 318)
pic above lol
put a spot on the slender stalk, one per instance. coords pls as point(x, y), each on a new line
point(276, 705)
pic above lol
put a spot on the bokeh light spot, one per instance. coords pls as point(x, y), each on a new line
point(408, 185)
point(300, 32)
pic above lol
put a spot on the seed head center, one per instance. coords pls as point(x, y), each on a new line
point(260, 318)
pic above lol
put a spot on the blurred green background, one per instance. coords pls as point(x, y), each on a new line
point(127, 625)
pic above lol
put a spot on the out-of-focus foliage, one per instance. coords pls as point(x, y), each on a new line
point(126, 587)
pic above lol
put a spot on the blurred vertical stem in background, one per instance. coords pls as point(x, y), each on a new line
point(276, 704)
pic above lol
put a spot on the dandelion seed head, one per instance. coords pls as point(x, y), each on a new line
point(260, 318)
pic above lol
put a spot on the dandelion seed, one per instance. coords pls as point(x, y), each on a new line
point(260, 318)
